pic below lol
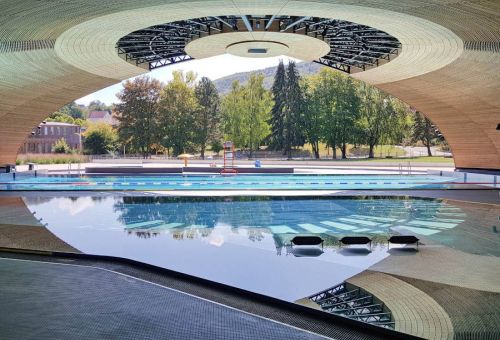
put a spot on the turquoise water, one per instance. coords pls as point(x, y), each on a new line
point(245, 241)
point(238, 182)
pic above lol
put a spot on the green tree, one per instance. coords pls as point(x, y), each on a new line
point(259, 104)
point(294, 105)
point(177, 110)
point(100, 139)
point(324, 102)
point(312, 114)
point(400, 127)
point(207, 117)
point(246, 111)
point(424, 131)
point(137, 113)
point(373, 121)
point(69, 113)
point(216, 146)
point(233, 111)
point(339, 101)
point(61, 146)
point(279, 95)
point(72, 110)
point(347, 109)
point(97, 105)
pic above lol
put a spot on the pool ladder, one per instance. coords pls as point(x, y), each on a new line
point(78, 169)
point(405, 170)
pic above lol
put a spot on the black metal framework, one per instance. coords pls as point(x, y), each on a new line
point(354, 303)
point(353, 47)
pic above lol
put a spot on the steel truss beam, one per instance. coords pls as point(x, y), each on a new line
point(351, 44)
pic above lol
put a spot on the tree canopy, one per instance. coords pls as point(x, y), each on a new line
point(246, 112)
point(207, 117)
point(99, 139)
point(137, 113)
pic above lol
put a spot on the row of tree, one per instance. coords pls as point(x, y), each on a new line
point(181, 116)
point(186, 115)
point(340, 111)
point(329, 107)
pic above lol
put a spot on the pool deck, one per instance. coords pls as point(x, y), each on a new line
point(97, 298)
point(414, 311)
point(439, 292)
point(301, 167)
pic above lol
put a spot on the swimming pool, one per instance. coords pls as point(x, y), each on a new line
point(238, 182)
point(245, 241)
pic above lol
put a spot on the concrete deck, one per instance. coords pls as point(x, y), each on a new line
point(98, 298)
point(56, 301)
point(414, 311)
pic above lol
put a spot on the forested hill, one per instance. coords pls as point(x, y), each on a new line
point(224, 84)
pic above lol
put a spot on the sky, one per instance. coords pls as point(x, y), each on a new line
point(213, 68)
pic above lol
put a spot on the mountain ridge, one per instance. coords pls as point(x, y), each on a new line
point(223, 84)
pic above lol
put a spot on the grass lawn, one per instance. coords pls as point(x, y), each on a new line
point(380, 150)
point(425, 159)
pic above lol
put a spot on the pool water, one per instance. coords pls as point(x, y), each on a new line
point(245, 241)
point(238, 182)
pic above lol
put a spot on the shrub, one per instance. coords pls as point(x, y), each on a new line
point(100, 139)
point(50, 159)
point(216, 146)
point(60, 146)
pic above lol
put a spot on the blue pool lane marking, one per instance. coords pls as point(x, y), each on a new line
point(281, 229)
point(313, 228)
point(143, 224)
point(166, 226)
point(196, 226)
point(356, 221)
point(338, 225)
point(363, 230)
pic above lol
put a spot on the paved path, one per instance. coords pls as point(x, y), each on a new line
point(441, 264)
point(414, 311)
point(55, 301)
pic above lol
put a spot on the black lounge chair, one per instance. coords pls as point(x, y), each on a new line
point(307, 241)
point(402, 239)
point(350, 240)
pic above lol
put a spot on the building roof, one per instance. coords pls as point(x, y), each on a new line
point(45, 123)
point(98, 114)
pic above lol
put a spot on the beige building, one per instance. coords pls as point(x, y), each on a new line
point(43, 137)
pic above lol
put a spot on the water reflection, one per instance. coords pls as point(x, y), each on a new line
point(190, 218)
point(235, 240)
point(280, 219)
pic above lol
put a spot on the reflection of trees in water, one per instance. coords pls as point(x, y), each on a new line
point(190, 234)
point(44, 199)
point(143, 234)
point(255, 213)
point(193, 211)
point(31, 200)
point(255, 234)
